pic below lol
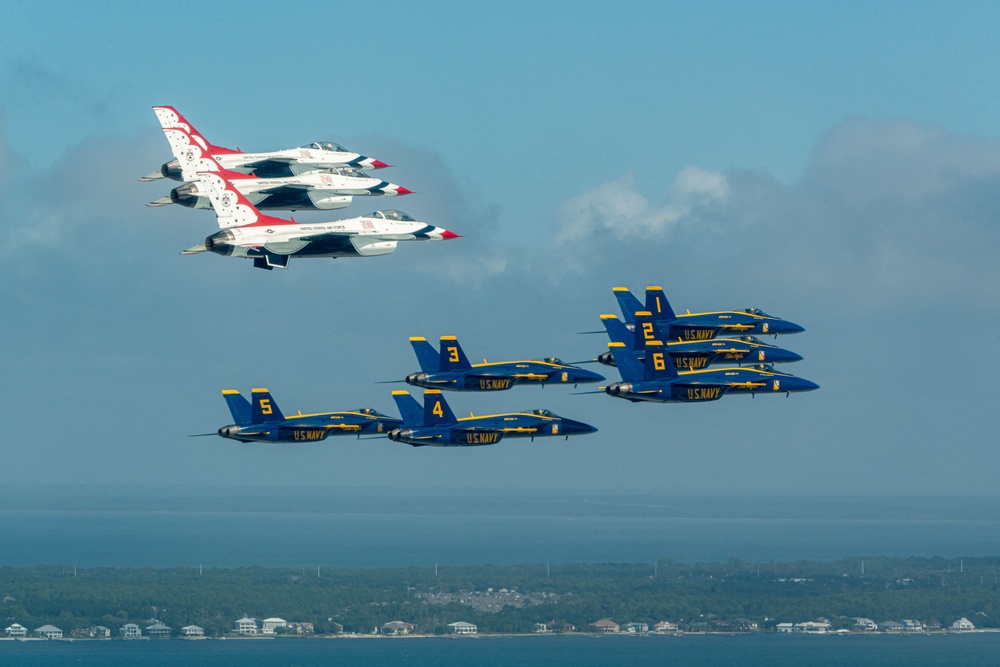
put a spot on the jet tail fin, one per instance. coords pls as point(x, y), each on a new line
point(657, 364)
point(427, 357)
point(238, 406)
point(645, 330)
point(264, 409)
point(627, 302)
point(617, 332)
point(452, 356)
point(627, 362)
point(436, 409)
point(657, 304)
point(409, 409)
point(171, 119)
point(231, 207)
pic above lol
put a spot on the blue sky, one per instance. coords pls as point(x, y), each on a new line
point(836, 164)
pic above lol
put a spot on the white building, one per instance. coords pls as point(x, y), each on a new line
point(398, 628)
point(912, 626)
point(636, 628)
point(785, 627)
point(462, 628)
point(962, 625)
point(665, 626)
point(813, 627)
point(130, 631)
point(48, 632)
point(245, 626)
point(269, 625)
point(16, 630)
point(865, 625)
point(192, 631)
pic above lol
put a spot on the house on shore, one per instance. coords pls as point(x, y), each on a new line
point(16, 630)
point(192, 631)
point(269, 625)
point(130, 631)
point(605, 626)
point(636, 628)
point(48, 632)
point(393, 628)
point(462, 628)
point(158, 631)
point(962, 625)
point(245, 626)
point(864, 625)
point(664, 627)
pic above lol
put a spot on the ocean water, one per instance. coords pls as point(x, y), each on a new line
point(771, 650)
point(346, 528)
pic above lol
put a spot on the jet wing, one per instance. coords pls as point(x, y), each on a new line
point(195, 249)
point(326, 236)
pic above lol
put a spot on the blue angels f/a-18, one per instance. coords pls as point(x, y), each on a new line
point(657, 380)
point(701, 326)
point(450, 369)
point(692, 354)
point(435, 424)
point(260, 420)
point(271, 241)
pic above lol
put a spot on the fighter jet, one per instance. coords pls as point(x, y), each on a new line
point(274, 164)
point(694, 354)
point(701, 326)
point(435, 424)
point(270, 241)
point(314, 190)
point(450, 369)
point(262, 421)
point(658, 381)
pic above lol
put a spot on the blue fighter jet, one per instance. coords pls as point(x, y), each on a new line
point(262, 421)
point(435, 424)
point(693, 354)
point(701, 326)
point(450, 369)
point(658, 381)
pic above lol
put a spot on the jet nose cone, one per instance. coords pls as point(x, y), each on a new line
point(785, 356)
point(583, 375)
point(400, 190)
point(786, 327)
point(805, 385)
point(378, 164)
point(573, 427)
point(449, 235)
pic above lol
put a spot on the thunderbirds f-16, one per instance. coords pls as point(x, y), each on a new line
point(701, 326)
point(314, 190)
point(450, 369)
point(270, 241)
point(692, 354)
point(435, 424)
point(273, 164)
point(657, 380)
point(260, 420)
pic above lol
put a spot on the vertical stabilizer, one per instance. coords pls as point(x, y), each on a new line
point(657, 364)
point(452, 357)
point(231, 207)
point(617, 332)
point(657, 304)
point(436, 409)
point(264, 409)
point(427, 357)
point(410, 411)
point(627, 302)
point(170, 118)
point(239, 407)
point(627, 362)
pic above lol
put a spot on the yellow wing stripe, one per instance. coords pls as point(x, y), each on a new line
point(230, 391)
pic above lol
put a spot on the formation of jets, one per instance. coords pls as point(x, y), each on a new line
point(662, 356)
point(681, 371)
point(318, 176)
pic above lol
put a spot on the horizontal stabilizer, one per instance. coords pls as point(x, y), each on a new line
point(152, 176)
point(195, 249)
point(162, 201)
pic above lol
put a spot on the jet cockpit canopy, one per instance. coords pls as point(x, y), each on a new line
point(543, 413)
point(326, 146)
point(751, 339)
point(392, 214)
point(553, 360)
point(349, 171)
point(756, 311)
